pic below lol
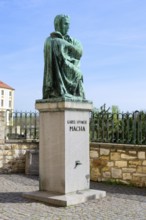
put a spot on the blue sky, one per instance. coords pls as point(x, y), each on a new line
point(113, 35)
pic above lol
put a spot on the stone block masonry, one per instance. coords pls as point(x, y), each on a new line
point(13, 156)
point(108, 162)
point(118, 163)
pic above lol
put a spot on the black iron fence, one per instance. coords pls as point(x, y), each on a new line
point(128, 128)
point(22, 125)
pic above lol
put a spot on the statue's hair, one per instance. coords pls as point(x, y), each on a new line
point(58, 19)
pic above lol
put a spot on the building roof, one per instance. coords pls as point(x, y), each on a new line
point(5, 86)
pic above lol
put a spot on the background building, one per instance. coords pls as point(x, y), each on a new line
point(6, 100)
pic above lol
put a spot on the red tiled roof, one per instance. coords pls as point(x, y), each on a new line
point(5, 86)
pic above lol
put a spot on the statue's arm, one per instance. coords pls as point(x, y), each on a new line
point(76, 49)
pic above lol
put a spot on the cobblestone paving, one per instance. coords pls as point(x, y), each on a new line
point(121, 203)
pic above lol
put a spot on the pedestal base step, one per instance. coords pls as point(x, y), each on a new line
point(67, 199)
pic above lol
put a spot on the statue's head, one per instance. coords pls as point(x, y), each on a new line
point(61, 23)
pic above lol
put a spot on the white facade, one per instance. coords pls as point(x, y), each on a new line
point(6, 100)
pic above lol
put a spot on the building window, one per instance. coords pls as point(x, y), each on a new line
point(10, 104)
point(10, 93)
point(2, 92)
point(2, 103)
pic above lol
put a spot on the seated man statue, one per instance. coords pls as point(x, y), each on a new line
point(62, 75)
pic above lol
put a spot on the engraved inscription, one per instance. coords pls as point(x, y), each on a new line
point(78, 125)
point(77, 128)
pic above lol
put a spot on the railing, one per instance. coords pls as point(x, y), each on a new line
point(128, 128)
point(22, 125)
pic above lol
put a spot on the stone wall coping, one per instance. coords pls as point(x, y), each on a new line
point(115, 145)
point(92, 144)
point(21, 141)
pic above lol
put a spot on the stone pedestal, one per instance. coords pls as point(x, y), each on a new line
point(32, 162)
point(64, 153)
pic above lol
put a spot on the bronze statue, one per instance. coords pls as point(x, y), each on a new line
point(62, 75)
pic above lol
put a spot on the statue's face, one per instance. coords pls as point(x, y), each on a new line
point(64, 26)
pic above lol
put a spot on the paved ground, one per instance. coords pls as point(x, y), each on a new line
point(121, 203)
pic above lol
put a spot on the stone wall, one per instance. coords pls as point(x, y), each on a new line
point(118, 163)
point(13, 156)
point(108, 162)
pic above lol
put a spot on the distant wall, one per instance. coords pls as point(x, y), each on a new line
point(118, 163)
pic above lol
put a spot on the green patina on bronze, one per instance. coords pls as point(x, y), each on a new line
point(62, 54)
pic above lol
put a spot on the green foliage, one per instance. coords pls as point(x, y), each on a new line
point(115, 127)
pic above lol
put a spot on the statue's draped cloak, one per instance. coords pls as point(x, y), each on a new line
point(62, 76)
